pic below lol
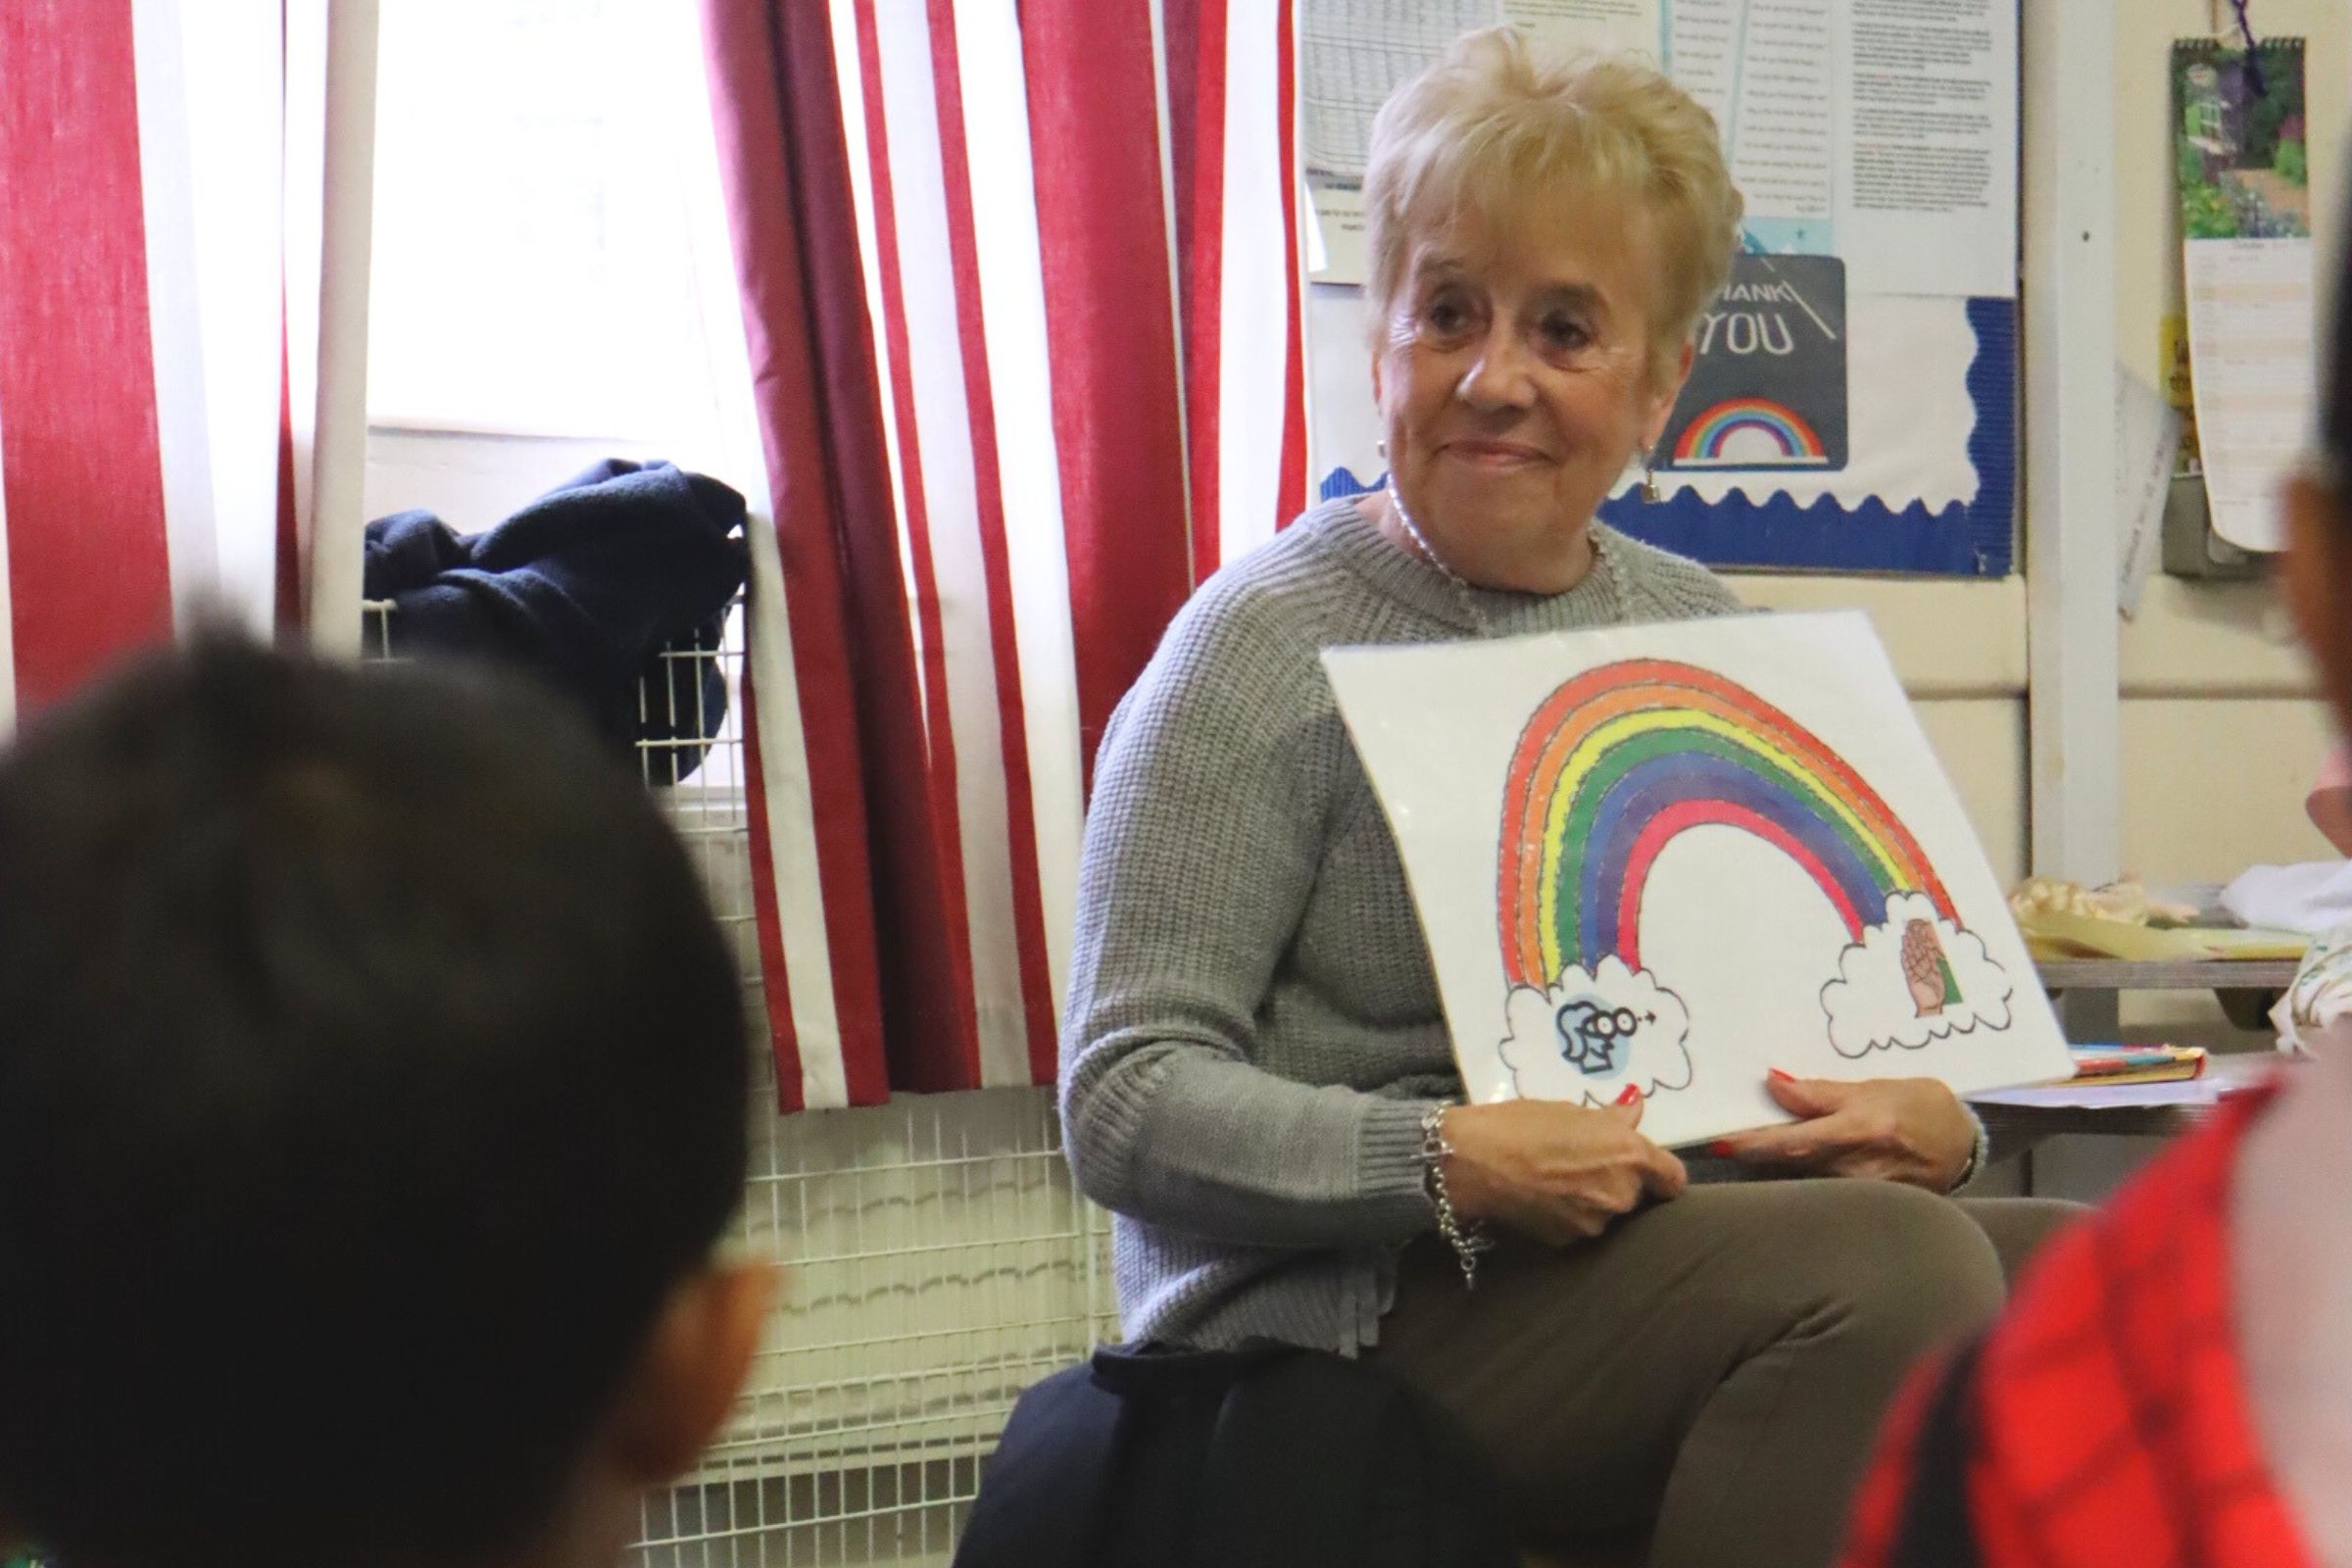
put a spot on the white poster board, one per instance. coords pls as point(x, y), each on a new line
point(1880, 132)
point(1854, 406)
point(1675, 858)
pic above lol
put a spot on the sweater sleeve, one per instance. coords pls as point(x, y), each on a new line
point(1202, 841)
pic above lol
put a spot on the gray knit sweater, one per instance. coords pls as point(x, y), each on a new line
point(1253, 1032)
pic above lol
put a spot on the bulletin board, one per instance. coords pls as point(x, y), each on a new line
point(1854, 406)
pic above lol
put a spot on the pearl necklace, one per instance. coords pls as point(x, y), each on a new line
point(1606, 579)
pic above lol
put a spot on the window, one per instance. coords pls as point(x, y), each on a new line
point(538, 251)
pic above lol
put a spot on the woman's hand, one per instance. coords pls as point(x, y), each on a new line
point(1557, 1172)
point(1910, 1130)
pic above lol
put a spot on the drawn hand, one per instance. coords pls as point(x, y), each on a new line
point(1554, 1171)
point(1923, 968)
point(1910, 1130)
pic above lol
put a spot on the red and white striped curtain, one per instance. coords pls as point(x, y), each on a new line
point(1021, 293)
point(181, 395)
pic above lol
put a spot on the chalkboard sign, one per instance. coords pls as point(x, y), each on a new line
point(1768, 387)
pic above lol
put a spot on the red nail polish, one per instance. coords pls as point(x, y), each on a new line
point(1784, 1077)
point(1721, 1149)
point(1631, 1096)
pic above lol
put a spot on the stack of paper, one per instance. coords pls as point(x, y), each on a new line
point(2224, 1076)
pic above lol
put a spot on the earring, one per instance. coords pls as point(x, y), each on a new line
point(1380, 446)
point(1651, 494)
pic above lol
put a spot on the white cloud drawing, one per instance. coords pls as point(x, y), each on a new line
point(1916, 978)
point(1590, 1035)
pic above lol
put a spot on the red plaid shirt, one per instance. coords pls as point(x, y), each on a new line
point(2102, 1422)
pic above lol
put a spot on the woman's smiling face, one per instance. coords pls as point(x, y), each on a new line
point(1515, 385)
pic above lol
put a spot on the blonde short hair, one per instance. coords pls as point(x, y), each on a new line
point(1492, 129)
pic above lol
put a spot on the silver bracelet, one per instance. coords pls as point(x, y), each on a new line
point(1468, 1241)
point(1980, 1154)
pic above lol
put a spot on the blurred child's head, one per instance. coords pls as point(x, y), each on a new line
point(2317, 573)
point(373, 1100)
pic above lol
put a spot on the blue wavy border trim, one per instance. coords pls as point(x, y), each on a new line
point(1977, 538)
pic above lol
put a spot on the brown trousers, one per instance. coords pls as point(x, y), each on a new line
point(1707, 1376)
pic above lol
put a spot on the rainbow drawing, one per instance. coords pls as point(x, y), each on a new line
point(1704, 438)
point(1619, 760)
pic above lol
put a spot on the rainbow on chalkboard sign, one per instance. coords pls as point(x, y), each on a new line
point(1745, 433)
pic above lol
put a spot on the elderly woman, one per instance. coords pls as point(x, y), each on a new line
point(1257, 1075)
